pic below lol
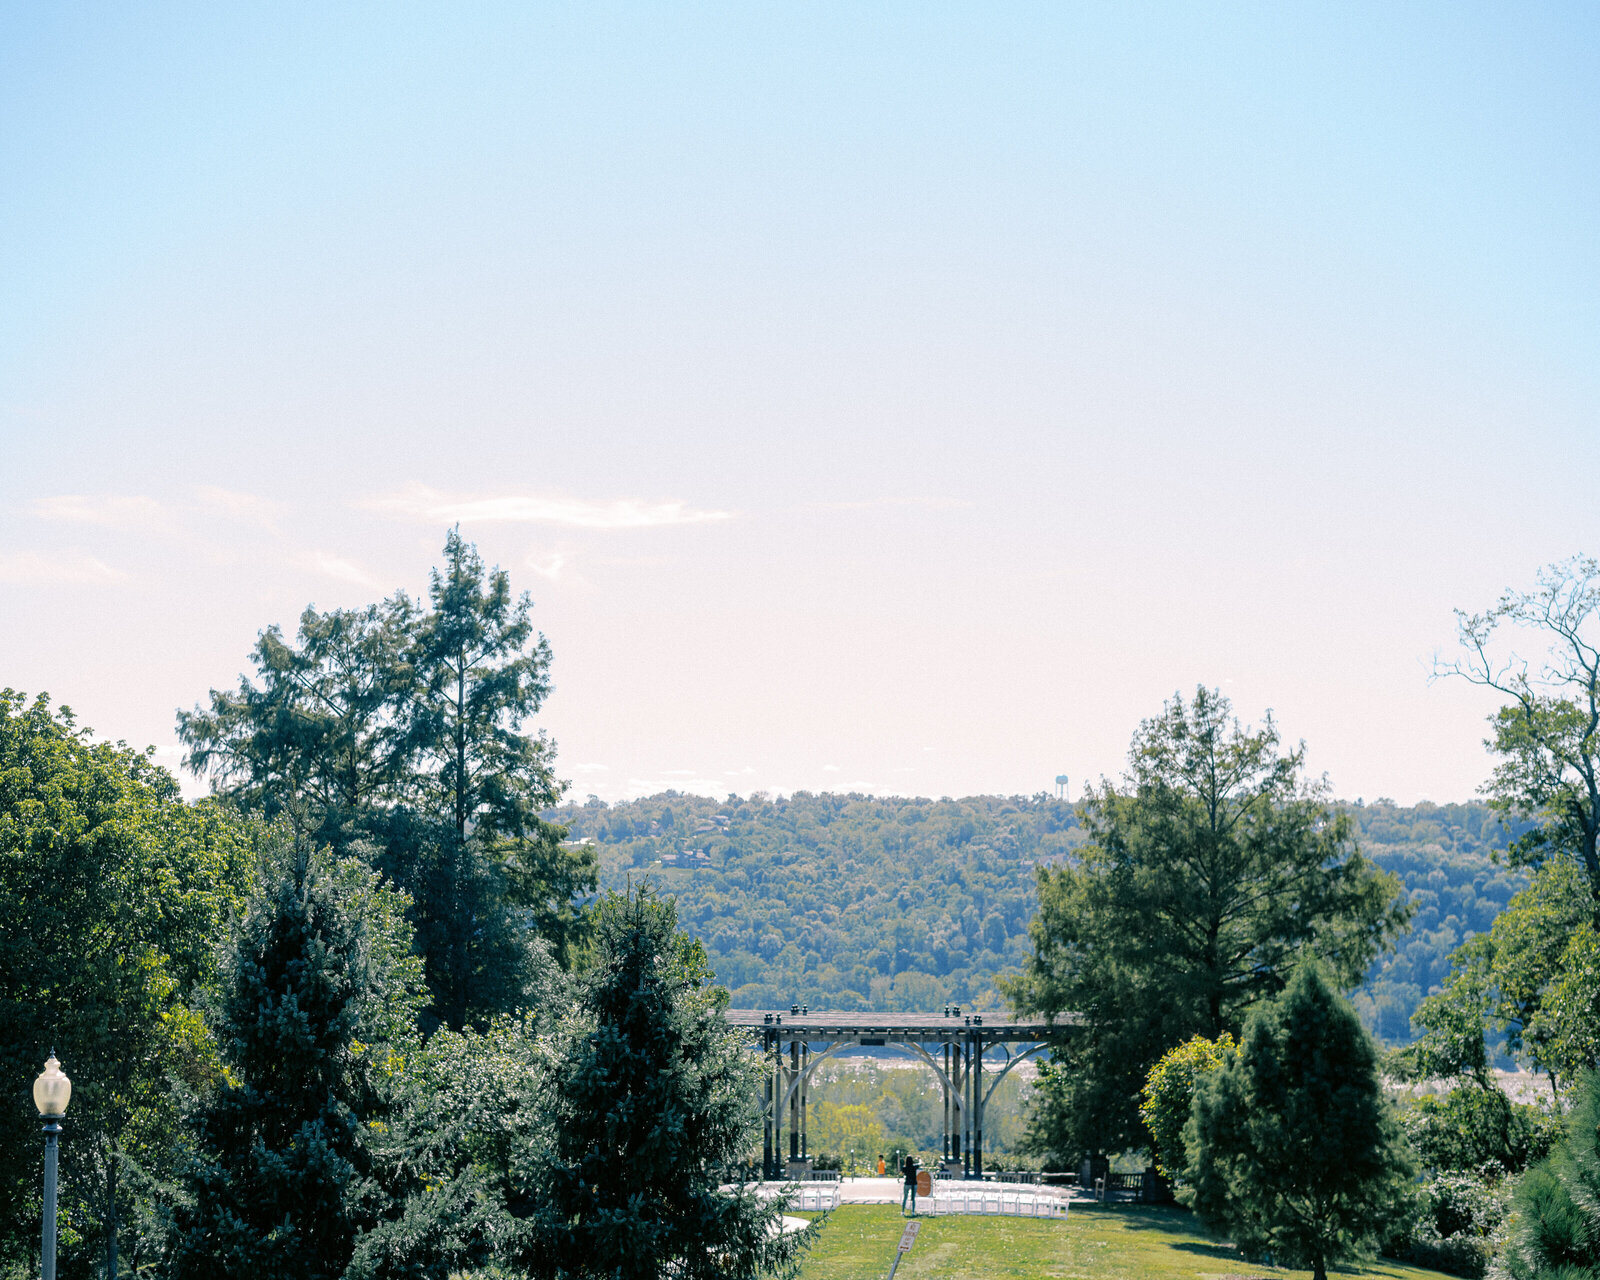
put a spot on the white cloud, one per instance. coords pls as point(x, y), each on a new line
point(830, 768)
point(29, 568)
point(591, 768)
point(549, 566)
point(344, 570)
point(129, 511)
point(110, 510)
point(422, 503)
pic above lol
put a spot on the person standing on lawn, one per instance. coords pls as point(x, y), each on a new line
point(910, 1170)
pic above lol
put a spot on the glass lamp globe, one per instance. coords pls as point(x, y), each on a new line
point(52, 1090)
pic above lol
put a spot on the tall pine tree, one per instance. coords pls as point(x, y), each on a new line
point(1556, 1235)
point(400, 732)
point(320, 993)
point(650, 1099)
point(1292, 1147)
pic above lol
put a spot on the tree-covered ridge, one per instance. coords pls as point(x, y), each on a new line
point(1446, 855)
point(846, 901)
point(828, 898)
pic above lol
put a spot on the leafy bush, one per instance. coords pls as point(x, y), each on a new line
point(1473, 1128)
point(1458, 1216)
point(1169, 1093)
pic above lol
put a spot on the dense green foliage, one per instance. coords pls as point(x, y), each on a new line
point(1539, 946)
point(650, 1099)
point(397, 731)
point(1471, 1141)
point(1293, 1148)
point(318, 1003)
point(841, 901)
point(112, 893)
point(1214, 867)
point(1450, 858)
point(1474, 1128)
point(815, 897)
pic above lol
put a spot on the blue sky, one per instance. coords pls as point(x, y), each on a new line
point(897, 397)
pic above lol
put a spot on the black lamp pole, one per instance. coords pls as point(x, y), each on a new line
point(51, 1092)
point(47, 1248)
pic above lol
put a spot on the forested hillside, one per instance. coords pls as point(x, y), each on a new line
point(851, 901)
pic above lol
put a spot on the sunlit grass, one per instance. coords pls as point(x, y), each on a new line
point(1113, 1242)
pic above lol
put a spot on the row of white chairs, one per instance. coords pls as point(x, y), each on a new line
point(992, 1198)
point(805, 1197)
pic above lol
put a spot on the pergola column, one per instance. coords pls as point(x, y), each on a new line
point(978, 1104)
point(794, 1100)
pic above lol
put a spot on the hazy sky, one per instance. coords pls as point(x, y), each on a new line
point(891, 397)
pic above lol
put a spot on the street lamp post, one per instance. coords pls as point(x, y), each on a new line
point(51, 1092)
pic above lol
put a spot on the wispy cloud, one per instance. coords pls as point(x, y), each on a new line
point(110, 510)
point(422, 503)
point(29, 568)
point(139, 511)
point(547, 566)
point(337, 567)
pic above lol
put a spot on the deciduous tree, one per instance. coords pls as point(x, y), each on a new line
point(1504, 977)
point(1547, 737)
point(112, 891)
point(1169, 1095)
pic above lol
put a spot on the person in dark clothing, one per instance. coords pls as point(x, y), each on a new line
point(910, 1170)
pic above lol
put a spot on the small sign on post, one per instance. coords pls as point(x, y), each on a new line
point(907, 1239)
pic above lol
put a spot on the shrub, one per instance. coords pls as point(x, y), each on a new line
point(1169, 1092)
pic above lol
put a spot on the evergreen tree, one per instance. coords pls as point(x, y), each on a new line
point(320, 993)
point(1557, 1204)
point(1292, 1147)
point(650, 1099)
point(1210, 869)
point(399, 731)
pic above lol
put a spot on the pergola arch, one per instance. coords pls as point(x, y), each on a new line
point(789, 1042)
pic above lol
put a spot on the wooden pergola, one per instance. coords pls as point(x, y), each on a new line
point(794, 1042)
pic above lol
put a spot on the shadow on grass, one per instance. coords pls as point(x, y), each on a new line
point(1145, 1217)
point(1224, 1251)
point(1180, 1222)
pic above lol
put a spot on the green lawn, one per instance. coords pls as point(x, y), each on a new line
point(1096, 1242)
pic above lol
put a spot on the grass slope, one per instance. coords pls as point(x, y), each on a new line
point(1117, 1242)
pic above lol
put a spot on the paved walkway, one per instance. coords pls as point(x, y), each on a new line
point(887, 1191)
point(870, 1190)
